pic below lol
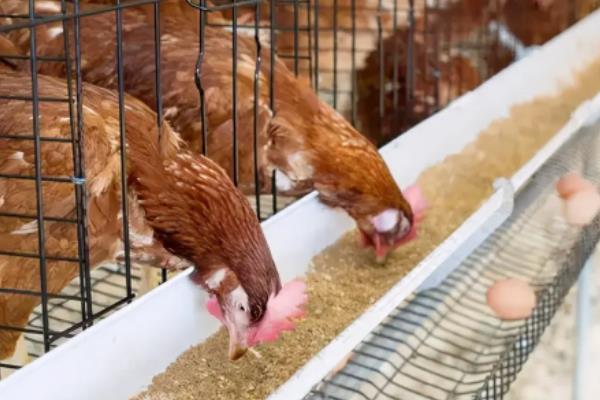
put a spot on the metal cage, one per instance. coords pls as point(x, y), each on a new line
point(385, 65)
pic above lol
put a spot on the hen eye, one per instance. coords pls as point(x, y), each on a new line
point(242, 308)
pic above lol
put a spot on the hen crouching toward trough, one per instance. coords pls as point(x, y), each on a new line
point(186, 202)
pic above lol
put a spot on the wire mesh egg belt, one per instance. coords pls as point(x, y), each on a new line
point(445, 343)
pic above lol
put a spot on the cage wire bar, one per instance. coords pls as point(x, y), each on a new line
point(445, 343)
point(356, 54)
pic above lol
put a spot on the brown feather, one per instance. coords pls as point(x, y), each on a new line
point(535, 24)
point(305, 138)
point(204, 219)
point(18, 196)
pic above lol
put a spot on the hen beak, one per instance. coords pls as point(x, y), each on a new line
point(236, 347)
point(364, 240)
point(236, 351)
point(382, 248)
point(379, 244)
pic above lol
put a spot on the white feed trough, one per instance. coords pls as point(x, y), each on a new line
point(118, 357)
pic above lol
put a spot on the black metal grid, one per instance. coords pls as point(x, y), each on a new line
point(445, 343)
point(323, 43)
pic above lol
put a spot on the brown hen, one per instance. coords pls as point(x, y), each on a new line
point(188, 205)
point(534, 22)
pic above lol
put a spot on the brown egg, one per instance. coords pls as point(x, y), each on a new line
point(511, 299)
point(572, 183)
point(581, 208)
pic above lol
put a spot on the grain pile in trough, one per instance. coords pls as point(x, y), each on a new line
point(344, 279)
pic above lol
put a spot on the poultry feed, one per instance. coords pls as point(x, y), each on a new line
point(344, 280)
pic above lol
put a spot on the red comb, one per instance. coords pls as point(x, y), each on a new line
point(414, 195)
point(212, 305)
point(281, 312)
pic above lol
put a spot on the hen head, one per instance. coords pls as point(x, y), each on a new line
point(279, 315)
point(310, 141)
point(392, 227)
point(197, 214)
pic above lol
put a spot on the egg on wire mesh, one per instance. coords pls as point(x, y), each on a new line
point(511, 299)
point(572, 183)
point(581, 200)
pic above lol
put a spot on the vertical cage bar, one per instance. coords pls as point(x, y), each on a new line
point(234, 94)
point(317, 48)
point(80, 198)
point(38, 178)
point(353, 76)
point(296, 38)
point(198, 77)
point(123, 145)
point(335, 53)
point(460, 32)
point(257, 185)
point(273, 55)
point(83, 222)
point(480, 46)
point(308, 33)
point(410, 62)
point(496, 34)
point(436, 54)
point(157, 69)
point(426, 67)
point(158, 86)
point(447, 49)
point(381, 62)
point(395, 66)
